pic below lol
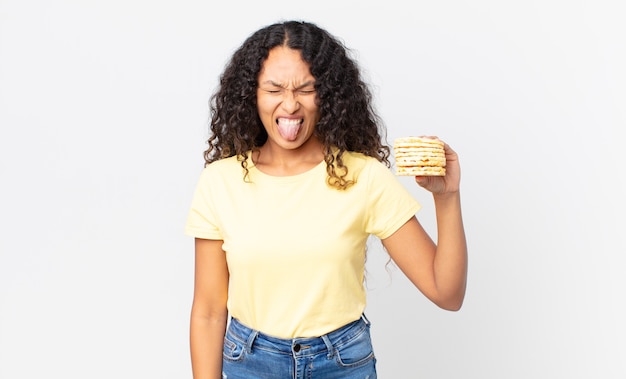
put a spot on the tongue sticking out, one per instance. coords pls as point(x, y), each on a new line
point(288, 130)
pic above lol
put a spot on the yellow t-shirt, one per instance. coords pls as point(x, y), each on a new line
point(295, 247)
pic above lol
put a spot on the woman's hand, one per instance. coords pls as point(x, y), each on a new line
point(440, 185)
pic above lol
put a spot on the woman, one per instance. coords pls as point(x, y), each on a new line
point(296, 178)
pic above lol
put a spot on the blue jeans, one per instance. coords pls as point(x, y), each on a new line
point(345, 353)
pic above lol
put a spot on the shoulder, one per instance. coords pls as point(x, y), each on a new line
point(225, 163)
point(222, 169)
point(364, 170)
point(359, 163)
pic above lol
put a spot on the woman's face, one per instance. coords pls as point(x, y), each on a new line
point(286, 98)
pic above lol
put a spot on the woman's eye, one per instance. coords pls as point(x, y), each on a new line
point(272, 90)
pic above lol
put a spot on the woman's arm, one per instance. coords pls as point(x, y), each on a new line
point(208, 313)
point(439, 270)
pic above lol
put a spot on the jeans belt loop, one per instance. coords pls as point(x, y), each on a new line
point(250, 341)
point(365, 319)
point(329, 346)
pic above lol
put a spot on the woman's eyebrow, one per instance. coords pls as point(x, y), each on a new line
point(273, 83)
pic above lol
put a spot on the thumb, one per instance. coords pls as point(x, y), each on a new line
point(421, 180)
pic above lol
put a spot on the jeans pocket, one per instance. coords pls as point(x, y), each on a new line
point(357, 351)
point(233, 349)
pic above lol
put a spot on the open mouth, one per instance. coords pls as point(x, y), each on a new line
point(289, 128)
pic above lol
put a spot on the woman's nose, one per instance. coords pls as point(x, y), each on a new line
point(290, 101)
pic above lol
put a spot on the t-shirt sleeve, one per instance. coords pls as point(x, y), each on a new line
point(390, 205)
point(202, 219)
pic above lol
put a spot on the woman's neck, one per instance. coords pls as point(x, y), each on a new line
point(275, 160)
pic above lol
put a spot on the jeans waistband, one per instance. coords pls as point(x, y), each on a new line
point(297, 346)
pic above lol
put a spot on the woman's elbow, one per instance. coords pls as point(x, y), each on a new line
point(452, 306)
point(451, 303)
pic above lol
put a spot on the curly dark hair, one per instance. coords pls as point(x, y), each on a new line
point(348, 121)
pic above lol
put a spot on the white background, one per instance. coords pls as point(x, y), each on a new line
point(103, 116)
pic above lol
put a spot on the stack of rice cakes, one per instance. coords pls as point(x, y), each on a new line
point(419, 156)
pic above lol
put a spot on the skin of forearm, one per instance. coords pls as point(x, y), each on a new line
point(450, 264)
point(207, 343)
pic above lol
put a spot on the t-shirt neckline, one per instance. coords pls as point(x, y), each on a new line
point(255, 171)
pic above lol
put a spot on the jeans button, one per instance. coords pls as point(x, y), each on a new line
point(296, 347)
